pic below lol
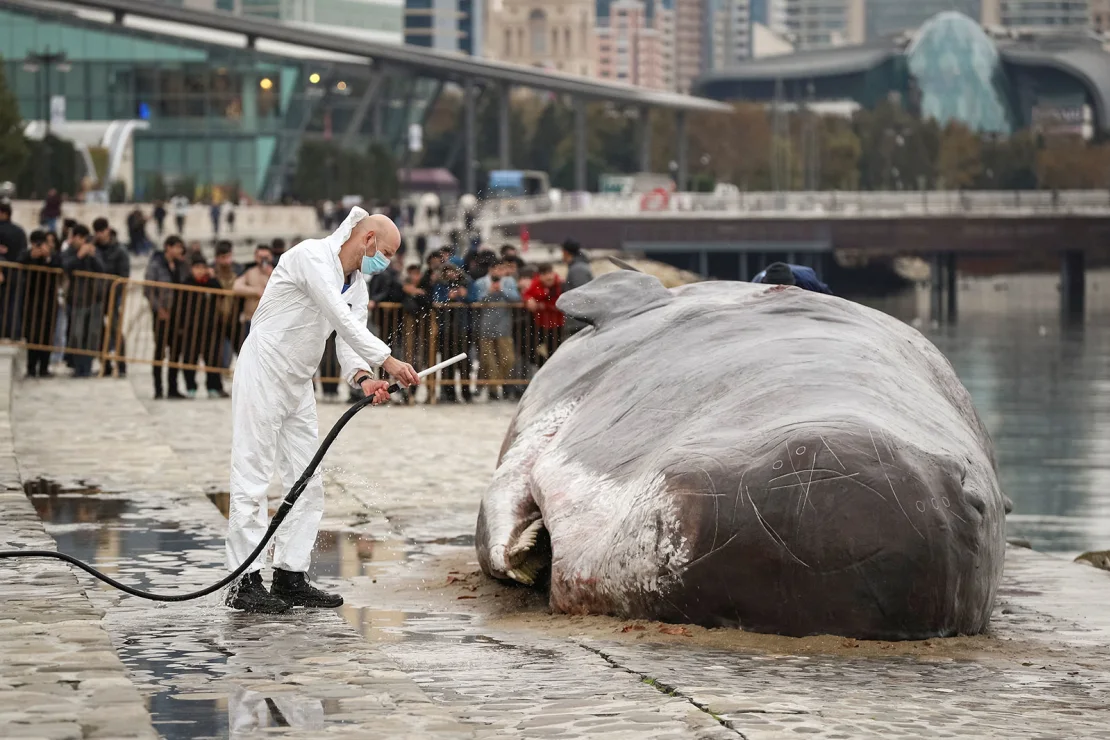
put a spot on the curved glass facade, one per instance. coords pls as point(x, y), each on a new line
point(218, 115)
point(960, 74)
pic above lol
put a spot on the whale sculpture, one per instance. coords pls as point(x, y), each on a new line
point(730, 454)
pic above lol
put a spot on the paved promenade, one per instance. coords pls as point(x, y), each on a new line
point(425, 646)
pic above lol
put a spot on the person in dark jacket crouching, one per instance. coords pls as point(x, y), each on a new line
point(780, 273)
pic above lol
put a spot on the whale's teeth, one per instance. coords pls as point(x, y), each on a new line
point(522, 577)
point(527, 539)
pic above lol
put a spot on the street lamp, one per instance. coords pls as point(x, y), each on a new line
point(31, 64)
point(48, 60)
point(704, 171)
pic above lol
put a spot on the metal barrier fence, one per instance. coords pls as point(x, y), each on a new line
point(47, 310)
point(187, 329)
point(501, 340)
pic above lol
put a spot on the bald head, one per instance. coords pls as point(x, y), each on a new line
point(375, 233)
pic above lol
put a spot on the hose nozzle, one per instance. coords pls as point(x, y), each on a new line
point(396, 387)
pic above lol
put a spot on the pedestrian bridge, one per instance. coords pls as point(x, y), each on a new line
point(820, 205)
point(730, 236)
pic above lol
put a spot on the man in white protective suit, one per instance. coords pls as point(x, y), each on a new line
point(318, 286)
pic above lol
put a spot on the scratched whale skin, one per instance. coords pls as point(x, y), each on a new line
point(733, 455)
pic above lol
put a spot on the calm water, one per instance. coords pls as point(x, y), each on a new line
point(1043, 390)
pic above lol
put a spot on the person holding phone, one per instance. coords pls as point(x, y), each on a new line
point(496, 353)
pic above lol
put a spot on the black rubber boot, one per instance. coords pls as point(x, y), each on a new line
point(295, 589)
point(251, 596)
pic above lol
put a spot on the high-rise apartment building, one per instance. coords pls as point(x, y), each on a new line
point(373, 20)
point(445, 25)
point(1037, 15)
point(737, 18)
point(540, 33)
point(885, 17)
point(689, 30)
point(1100, 15)
point(769, 13)
point(714, 35)
point(632, 49)
point(664, 25)
point(820, 24)
point(728, 31)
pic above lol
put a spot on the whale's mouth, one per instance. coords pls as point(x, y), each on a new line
point(529, 556)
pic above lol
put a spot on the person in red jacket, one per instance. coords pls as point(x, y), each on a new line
point(540, 299)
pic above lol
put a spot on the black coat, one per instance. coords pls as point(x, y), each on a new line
point(84, 292)
point(15, 239)
point(40, 298)
point(116, 259)
point(385, 287)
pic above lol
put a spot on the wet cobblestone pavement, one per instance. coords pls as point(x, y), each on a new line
point(424, 648)
point(209, 671)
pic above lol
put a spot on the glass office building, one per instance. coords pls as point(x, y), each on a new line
point(218, 115)
point(885, 17)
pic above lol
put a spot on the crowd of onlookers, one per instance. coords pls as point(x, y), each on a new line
point(192, 325)
point(50, 310)
point(62, 313)
point(488, 304)
point(463, 298)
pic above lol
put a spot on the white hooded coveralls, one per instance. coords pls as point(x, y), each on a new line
point(273, 402)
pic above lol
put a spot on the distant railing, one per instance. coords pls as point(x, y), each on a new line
point(186, 329)
point(803, 204)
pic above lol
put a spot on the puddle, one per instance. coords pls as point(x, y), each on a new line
point(462, 540)
point(240, 711)
point(184, 658)
point(222, 500)
point(207, 672)
point(77, 508)
point(53, 488)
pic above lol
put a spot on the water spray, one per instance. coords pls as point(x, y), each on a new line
point(282, 512)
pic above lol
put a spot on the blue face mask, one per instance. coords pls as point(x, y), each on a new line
point(374, 265)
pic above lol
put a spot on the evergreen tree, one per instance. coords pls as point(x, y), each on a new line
point(13, 147)
point(382, 184)
point(550, 130)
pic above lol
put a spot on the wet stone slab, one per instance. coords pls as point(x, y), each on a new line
point(403, 490)
point(59, 675)
point(209, 672)
point(762, 695)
